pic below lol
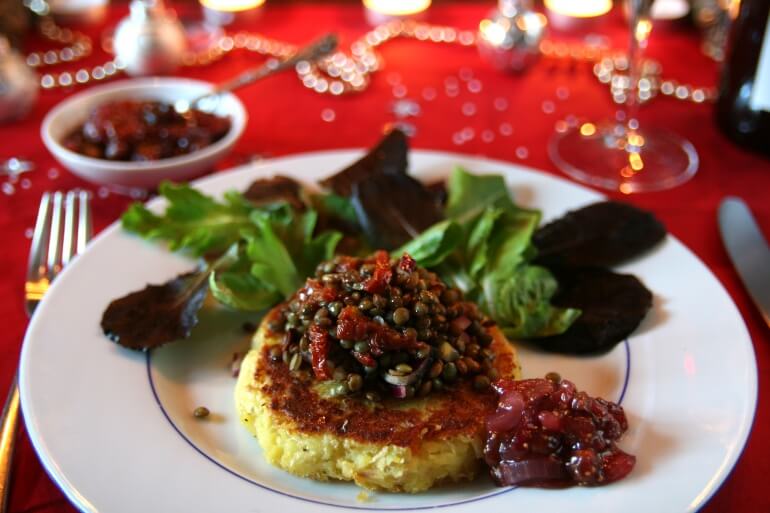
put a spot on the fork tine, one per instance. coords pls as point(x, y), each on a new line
point(68, 241)
point(85, 227)
point(54, 241)
point(42, 229)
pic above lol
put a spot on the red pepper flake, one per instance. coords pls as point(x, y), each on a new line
point(347, 263)
point(364, 359)
point(380, 279)
point(316, 292)
point(407, 263)
point(319, 351)
point(352, 324)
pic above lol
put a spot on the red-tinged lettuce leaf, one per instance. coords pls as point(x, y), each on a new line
point(156, 314)
point(388, 157)
point(276, 189)
point(393, 209)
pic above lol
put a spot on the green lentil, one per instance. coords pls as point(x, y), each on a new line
point(450, 296)
point(404, 368)
point(447, 352)
point(330, 279)
point(401, 316)
point(335, 308)
point(355, 382)
point(380, 301)
point(339, 374)
point(427, 297)
point(338, 389)
point(435, 369)
point(201, 412)
point(473, 366)
point(361, 347)
point(450, 372)
point(481, 382)
point(423, 352)
point(420, 309)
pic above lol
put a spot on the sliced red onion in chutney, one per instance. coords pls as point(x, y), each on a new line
point(547, 433)
point(516, 473)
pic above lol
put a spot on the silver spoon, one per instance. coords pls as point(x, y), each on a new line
point(310, 53)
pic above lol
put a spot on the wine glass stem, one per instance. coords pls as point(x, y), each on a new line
point(640, 28)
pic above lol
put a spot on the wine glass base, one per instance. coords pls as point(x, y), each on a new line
point(600, 156)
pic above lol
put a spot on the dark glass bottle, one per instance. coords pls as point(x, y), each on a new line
point(743, 107)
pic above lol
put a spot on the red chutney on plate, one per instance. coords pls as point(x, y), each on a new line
point(547, 433)
point(131, 130)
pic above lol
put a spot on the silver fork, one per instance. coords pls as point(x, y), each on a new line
point(62, 230)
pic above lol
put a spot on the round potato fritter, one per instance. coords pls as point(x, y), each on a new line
point(395, 445)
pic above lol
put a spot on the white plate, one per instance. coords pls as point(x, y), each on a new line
point(114, 428)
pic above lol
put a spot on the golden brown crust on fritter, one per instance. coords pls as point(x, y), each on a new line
point(450, 413)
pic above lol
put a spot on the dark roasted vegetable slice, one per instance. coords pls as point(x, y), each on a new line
point(613, 305)
point(393, 209)
point(599, 235)
point(388, 157)
point(156, 314)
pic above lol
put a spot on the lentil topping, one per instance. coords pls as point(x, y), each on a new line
point(371, 417)
point(384, 327)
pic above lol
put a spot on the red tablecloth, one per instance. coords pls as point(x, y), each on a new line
point(287, 118)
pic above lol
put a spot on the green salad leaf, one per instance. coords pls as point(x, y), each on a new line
point(488, 256)
point(192, 222)
point(519, 300)
point(236, 287)
point(283, 251)
point(469, 194)
point(264, 252)
point(434, 244)
point(335, 206)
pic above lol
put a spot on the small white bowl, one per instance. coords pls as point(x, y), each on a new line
point(73, 111)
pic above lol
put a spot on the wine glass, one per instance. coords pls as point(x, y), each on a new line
point(624, 156)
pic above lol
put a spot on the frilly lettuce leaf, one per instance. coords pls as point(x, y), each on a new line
point(192, 222)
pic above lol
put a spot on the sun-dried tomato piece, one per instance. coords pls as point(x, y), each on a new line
point(407, 263)
point(382, 274)
point(319, 351)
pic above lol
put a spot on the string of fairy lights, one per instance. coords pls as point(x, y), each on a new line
point(350, 72)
